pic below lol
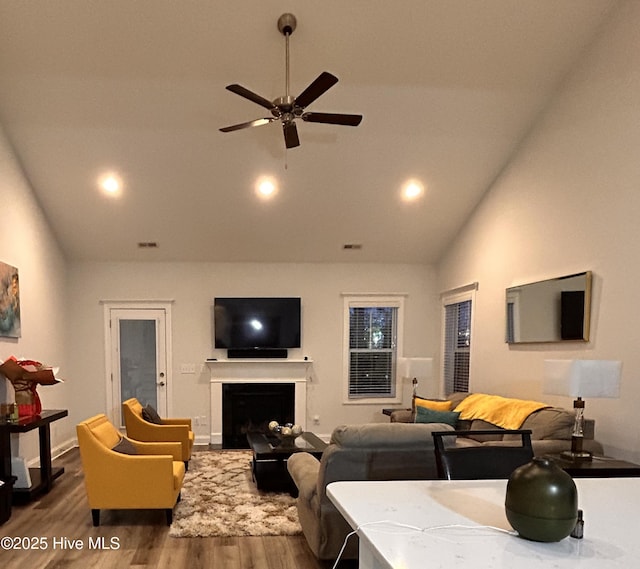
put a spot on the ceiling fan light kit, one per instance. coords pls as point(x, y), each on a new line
point(287, 108)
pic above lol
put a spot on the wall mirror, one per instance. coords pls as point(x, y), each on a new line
point(553, 310)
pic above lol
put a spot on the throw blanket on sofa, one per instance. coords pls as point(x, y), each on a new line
point(501, 411)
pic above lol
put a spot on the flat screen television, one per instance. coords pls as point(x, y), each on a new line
point(257, 324)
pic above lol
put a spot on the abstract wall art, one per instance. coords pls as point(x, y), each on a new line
point(9, 301)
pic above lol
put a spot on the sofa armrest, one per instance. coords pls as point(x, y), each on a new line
point(164, 448)
point(551, 446)
point(304, 469)
point(401, 416)
point(166, 432)
point(178, 421)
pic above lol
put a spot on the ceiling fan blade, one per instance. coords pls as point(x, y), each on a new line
point(321, 85)
point(244, 92)
point(257, 122)
point(332, 118)
point(291, 139)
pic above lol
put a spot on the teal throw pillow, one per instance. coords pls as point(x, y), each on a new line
point(424, 415)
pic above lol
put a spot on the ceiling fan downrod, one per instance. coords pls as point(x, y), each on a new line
point(287, 25)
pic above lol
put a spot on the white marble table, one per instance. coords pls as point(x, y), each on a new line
point(456, 517)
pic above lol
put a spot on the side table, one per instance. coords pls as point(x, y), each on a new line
point(598, 467)
point(388, 410)
point(42, 478)
point(5, 499)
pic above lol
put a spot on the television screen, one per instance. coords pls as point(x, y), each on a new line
point(264, 323)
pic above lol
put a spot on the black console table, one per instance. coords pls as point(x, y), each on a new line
point(41, 478)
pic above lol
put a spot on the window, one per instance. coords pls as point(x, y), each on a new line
point(457, 341)
point(372, 326)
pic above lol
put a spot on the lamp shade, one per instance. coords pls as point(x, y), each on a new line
point(420, 368)
point(583, 378)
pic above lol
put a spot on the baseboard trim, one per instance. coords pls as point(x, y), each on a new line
point(201, 440)
point(56, 452)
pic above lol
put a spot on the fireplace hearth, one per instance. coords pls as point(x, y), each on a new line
point(249, 407)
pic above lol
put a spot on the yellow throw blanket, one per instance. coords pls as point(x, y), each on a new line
point(501, 411)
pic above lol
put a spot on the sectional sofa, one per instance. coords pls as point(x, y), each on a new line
point(404, 450)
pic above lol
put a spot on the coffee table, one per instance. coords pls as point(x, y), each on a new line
point(269, 464)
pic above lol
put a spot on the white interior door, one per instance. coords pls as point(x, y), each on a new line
point(138, 359)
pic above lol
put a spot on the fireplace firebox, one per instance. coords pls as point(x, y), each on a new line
point(249, 407)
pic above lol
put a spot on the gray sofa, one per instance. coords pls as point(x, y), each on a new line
point(380, 451)
point(399, 450)
point(551, 429)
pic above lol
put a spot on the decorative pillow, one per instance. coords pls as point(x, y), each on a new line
point(151, 415)
point(432, 404)
point(125, 446)
point(424, 415)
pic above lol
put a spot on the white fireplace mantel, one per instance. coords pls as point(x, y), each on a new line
point(257, 371)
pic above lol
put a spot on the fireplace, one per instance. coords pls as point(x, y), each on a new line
point(258, 373)
point(249, 407)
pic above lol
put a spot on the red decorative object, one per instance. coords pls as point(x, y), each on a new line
point(33, 408)
point(25, 375)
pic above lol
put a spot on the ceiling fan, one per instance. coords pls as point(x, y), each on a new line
point(287, 109)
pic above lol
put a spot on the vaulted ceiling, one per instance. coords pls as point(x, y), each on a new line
point(447, 88)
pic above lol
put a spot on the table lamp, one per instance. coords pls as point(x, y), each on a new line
point(581, 378)
point(416, 369)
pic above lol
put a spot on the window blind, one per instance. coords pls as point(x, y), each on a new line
point(372, 351)
point(457, 346)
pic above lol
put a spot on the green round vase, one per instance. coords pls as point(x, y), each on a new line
point(542, 501)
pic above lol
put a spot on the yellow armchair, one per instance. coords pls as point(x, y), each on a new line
point(171, 430)
point(150, 479)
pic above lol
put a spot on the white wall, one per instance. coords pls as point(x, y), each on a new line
point(27, 243)
point(192, 287)
point(568, 202)
point(62, 314)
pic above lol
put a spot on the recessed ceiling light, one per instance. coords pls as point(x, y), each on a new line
point(111, 185)
point(412, 190)
point(266, 188)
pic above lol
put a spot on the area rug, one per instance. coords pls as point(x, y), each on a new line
point(219, 499)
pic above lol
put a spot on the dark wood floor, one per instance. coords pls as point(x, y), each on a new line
point(61, 522)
